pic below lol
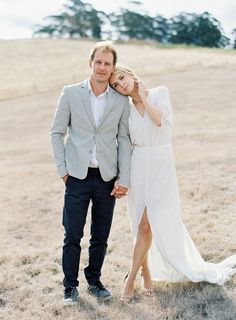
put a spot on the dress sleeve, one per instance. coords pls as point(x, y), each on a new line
point(164, 103)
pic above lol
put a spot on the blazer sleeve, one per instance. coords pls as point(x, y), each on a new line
point(58, 131)
point(124, 146)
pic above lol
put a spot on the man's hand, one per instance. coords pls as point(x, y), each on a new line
point(119, 191)
point(65, 178)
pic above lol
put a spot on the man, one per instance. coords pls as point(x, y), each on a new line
point(94, 165)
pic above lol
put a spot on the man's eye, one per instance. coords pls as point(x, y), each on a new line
point(114, 85)
point(122, 77)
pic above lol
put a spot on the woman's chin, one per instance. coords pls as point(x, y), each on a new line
point(126, 92)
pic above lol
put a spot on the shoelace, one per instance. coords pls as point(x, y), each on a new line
point(99, 285)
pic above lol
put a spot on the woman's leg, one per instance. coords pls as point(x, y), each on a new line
point(146, 276)
point(142, 244)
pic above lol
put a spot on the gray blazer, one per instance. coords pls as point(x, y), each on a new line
point(111, 136)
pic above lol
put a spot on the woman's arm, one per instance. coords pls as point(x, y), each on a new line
point(154, 113)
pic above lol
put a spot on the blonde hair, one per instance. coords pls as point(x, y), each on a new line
point(125, 70)
point(104, 46)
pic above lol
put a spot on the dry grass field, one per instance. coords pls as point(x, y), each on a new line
point(202, 86)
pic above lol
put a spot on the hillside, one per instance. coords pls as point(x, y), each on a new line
point(201, 83)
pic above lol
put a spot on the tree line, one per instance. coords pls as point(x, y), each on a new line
point(80, 20)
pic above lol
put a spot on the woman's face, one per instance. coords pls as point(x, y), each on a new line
point(122, 83)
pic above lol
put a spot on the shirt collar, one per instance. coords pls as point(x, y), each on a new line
point(91, 90)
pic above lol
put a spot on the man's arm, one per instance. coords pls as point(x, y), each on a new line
point(124, 148)
point(58, 131)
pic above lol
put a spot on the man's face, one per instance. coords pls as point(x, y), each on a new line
point(102, 66)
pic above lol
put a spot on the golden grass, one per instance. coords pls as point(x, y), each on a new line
point(201, 82)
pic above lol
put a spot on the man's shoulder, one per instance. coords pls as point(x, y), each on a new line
point(75, 86)
point(117, 94)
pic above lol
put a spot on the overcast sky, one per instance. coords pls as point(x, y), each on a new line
point(17, 17)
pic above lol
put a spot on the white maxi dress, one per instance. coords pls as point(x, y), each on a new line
point(153, 184)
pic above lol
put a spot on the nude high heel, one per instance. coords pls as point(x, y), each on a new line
point(149, 292)
point(126, 297)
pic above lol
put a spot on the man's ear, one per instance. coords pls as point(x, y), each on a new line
point(114, 66)
point(90, 63)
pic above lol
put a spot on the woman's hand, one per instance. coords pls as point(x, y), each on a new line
point(141, 89)
point(119, 191)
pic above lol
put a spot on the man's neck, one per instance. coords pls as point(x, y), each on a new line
point(98, 87)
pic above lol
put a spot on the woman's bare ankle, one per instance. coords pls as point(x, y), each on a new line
point(146, 279)
point(132, 276)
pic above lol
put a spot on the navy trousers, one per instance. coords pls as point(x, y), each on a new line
point(78, 195)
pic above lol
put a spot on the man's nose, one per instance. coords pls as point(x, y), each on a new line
point(102, 66)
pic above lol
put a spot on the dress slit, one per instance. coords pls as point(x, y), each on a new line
point(140, 219)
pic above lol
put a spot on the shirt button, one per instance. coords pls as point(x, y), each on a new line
point(90, 151)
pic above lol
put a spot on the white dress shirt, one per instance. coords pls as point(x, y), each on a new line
point(98, 104)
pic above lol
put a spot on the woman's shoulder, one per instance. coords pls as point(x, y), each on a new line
point(159, 91)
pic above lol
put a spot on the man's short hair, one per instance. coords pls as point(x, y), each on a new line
point(104, 46)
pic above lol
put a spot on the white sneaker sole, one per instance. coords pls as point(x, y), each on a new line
point(69, 302)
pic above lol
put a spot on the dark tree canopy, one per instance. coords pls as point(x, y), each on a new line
point(80, 20)
point(197, 29)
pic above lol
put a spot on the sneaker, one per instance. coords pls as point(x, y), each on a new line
point(98, 290)
point(70, 296)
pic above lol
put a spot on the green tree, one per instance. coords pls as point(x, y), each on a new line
point(79, 20)
point(234, 38)
point(197, 29)
point(135, 25)
point(48, 31)
point(160, 29)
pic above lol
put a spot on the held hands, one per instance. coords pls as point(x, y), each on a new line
point(119, 191)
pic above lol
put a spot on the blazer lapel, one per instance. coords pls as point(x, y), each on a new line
point(87, 102)
point(110, 103)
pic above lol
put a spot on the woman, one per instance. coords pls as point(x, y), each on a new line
point(153, 198)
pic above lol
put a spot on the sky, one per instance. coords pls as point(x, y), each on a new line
point(17, 17)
